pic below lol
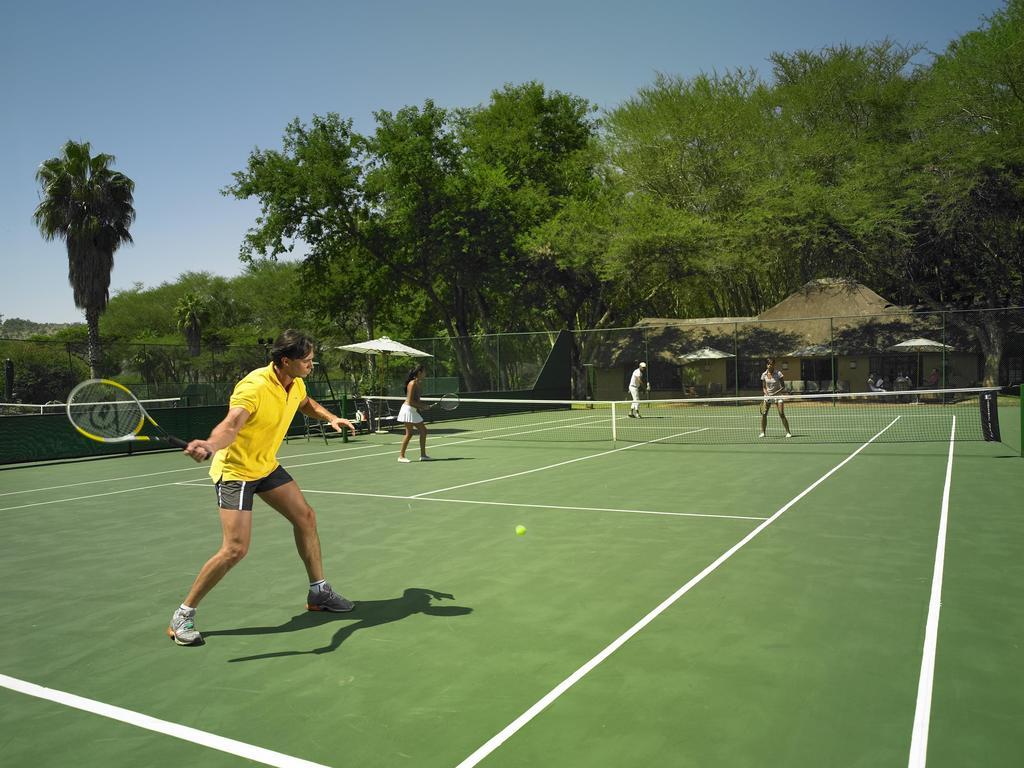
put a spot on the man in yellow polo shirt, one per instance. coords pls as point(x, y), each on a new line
point(244, 449)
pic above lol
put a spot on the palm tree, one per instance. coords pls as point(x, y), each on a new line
point(89, 206)
point(192, 311)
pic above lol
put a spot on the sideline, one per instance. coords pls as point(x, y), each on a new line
point(923, 712)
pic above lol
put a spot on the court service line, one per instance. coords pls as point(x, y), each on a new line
point(559, 424)
point(508, 731)
point(183, 732)
point(559, 464)
point(528, 506)
point(922, 714)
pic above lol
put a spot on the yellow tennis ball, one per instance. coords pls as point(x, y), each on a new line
point(520, 530)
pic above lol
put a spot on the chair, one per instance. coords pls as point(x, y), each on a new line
point(309, 427)
point(381, 418)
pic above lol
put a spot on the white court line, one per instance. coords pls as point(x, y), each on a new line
point(103, 480)
point(529, 506)
point(559, 424)
point(922, 714)
point(90, 496)
point(559, 464)
point(183, 732)
point(508, 731)
point(204, 468)
point(440, 443)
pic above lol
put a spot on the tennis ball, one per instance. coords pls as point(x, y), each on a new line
point(520, 530)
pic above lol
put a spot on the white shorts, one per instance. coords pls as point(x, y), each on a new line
point(409, 415)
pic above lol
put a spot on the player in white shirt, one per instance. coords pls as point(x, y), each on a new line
point(773, 386)
point(637, 384)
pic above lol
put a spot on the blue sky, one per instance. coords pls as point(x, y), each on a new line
point(181, 92)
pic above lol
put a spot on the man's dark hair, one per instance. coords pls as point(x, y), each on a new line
point(292, 344)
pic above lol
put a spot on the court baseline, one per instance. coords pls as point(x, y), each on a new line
point(183, 732)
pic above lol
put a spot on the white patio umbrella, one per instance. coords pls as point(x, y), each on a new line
point(704, 353)
point(920, 345)
point(386, 348)
point(912, 346)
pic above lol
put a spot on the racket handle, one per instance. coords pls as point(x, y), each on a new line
point(177, 442)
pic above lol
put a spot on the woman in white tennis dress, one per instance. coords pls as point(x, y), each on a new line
point(772, 384)
point(409, 414)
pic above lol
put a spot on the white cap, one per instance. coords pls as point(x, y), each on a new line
point(643, 365)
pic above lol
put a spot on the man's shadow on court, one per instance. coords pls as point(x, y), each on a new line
point(366, 614)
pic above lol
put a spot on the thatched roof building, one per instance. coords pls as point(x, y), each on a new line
point(821, 315)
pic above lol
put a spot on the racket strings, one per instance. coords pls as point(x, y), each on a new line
point(105, 411)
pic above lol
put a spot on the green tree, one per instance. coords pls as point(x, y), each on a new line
point(90, 206)
point(533, 158)
point(311, 195)
point(192, 311)
point(843, 116)
point(961, 180)
point(692, 154)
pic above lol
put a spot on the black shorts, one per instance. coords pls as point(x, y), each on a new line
point(238, 494)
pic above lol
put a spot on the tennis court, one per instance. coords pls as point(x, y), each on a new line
point(727, 602)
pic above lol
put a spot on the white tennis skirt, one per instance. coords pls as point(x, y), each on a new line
point(409, 415)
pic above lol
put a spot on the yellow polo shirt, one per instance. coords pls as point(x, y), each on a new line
point(254, 453)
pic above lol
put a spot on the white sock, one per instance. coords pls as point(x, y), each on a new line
point(317, 586)
point(187, 608)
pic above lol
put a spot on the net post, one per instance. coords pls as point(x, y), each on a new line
point(613, 418)
point(1021, 434)
point(343, 409)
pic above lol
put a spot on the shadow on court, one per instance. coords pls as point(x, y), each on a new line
point(366, 614)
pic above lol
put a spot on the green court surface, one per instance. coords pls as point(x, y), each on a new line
point(770, 603)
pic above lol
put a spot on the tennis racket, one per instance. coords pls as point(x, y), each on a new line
point(448, 402)
point(765, 406)
point(108, 412)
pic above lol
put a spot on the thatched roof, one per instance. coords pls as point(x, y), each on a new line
point(820, 313)
point(830, 297)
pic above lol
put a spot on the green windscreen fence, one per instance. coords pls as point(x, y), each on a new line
point(41, 437)
point(45, 437)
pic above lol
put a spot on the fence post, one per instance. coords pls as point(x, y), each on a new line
point(736, 358)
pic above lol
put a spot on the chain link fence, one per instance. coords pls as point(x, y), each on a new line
point(908, 350)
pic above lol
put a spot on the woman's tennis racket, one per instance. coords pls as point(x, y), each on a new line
point(765, 406)
point(108, 412)
point(448, 402)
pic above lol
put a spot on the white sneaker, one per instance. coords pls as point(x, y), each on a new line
point(402, 460)
point(182, 629)
point(761, 435)
point(424, 457)
point(788, 435)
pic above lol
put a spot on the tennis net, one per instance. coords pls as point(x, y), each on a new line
point(58, 407)
point(913, 416)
